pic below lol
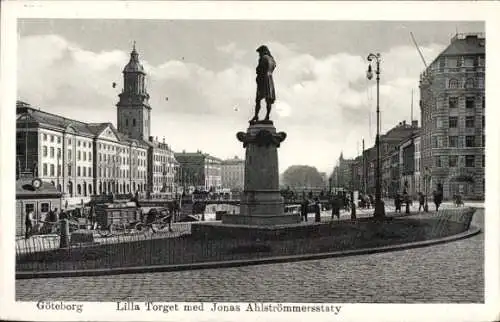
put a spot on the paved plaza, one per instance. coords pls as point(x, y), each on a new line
point(450, 272)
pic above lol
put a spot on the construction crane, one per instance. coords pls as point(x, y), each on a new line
point(425, 75)
point(418, 48)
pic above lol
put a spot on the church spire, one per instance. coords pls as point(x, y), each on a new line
point(134, 66)
point(134, 112)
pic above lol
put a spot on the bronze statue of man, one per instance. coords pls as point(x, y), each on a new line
point(265, 83)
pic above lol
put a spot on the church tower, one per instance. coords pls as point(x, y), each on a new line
point(134, 112)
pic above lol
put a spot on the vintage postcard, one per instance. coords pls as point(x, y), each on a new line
point(224, 161)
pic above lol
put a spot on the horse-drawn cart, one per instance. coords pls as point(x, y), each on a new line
point(127, 217)
point(111, 217)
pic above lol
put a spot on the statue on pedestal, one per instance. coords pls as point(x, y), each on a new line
point(265, 83)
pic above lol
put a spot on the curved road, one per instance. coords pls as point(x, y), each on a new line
point(451, 272)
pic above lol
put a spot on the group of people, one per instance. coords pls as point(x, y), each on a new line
point(344, 200)
point(337, 202)
point(400, 199)
point(47, 225)
point(404, 198)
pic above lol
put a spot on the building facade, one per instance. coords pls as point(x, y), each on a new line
point(164, 166)
point(233, 174)
point(83, 159)
point(198, 170)
point(342, 173)
point(79, 159)
point(410, 176)
point(452, 109)
point(397, 162)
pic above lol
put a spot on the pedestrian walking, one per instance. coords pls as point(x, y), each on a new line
point(406, 199)
point(29, 224)
point(438, 199)
point(397, 202)
point(421, 201)
point(303, 209)
point(353, 211)
point(317, 210)
point(347, 203)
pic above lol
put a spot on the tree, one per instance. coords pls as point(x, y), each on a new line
point(303, 176)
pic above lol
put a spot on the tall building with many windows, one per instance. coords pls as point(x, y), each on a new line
point(83, 159)
point(452, 109)
point(79, 159)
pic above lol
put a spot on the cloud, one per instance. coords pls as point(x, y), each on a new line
point(323, 102)
point(232, 50)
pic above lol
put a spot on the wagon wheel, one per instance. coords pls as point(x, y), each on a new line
point(139, 226)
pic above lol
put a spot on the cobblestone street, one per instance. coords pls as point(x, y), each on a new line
point(451, 272)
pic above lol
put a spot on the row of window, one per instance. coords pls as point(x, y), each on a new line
point(52, 138)
point(467, 83)
point(470, 122)
point(163, 158)
point(161, 180)
point(123, 160)
point(470, 102)
point(111, 172)
point(85, 144)
point(110, 147)
point(160, 168)
point(461, 61)
point(452, 161)
point(456, 141)
point(50, 170)
point(103, 188)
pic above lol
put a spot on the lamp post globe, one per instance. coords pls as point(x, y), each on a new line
point(369, 73)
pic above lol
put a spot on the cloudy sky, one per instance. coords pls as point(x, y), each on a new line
point(207, 70)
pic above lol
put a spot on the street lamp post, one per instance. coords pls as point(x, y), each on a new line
point(379, 207)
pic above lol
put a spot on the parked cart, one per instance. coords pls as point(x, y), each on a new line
point(114, 217)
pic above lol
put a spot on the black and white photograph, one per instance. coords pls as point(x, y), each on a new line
point(203, 167)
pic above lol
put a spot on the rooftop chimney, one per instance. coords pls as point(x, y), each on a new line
point(164, 140)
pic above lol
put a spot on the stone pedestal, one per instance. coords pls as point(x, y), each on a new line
point(261, 203)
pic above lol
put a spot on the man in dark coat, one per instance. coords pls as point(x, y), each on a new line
point(438, 198)
point(265, 83)
point(336, 206)
point(421, 201)
point(303, 208)
point(397, 202)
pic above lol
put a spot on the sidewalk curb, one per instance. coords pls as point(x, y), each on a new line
point(237, 263)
